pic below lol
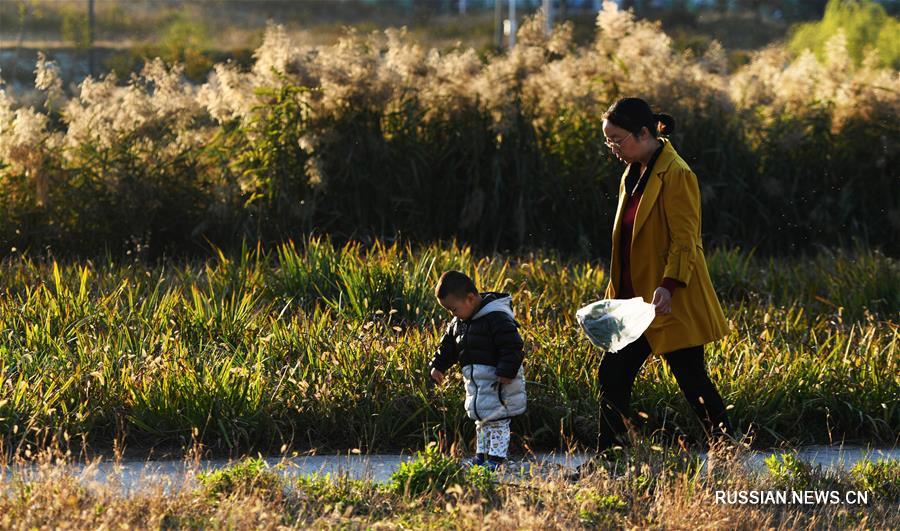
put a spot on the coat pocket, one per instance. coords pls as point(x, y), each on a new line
point(514, 395)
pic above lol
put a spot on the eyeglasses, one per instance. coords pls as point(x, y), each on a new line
point(617, 145)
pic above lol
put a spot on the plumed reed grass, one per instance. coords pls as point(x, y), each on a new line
point(376, 136)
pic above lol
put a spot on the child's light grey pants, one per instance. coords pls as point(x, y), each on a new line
point(492, 437)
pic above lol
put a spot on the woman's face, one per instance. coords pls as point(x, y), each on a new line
point(624, 144)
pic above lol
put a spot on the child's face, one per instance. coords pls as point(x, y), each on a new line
point(461, 307)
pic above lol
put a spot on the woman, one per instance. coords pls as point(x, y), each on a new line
point(657, 254)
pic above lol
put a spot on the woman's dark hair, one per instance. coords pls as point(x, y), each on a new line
point(633, 114)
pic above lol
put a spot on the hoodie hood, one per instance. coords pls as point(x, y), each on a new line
point(495, 302)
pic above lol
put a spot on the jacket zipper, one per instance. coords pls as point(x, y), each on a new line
point(472, 375)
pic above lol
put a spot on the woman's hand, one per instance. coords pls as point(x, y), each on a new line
point(662, 299)
point(504, 380)
point(437, 376)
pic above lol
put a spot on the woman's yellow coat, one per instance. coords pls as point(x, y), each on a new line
point(666, 242)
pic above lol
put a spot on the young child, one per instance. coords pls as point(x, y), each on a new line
point(484, 339)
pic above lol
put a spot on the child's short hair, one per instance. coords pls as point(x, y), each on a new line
point(456, 284)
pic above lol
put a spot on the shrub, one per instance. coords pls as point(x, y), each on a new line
point(248, 475)
point(789, 472)
point(881, 477)
point(601, 510)
point(865, 25)
point(433, 472)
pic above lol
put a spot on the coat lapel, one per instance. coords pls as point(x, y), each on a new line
point(651, 189)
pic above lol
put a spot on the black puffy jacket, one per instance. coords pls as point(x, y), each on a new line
point(489, 337)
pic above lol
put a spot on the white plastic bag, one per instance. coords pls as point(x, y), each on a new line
point(612, 324)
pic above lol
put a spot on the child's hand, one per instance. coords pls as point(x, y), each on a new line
point(504, 380)
point(437, 376)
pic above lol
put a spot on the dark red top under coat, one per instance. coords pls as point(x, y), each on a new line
point(629, 213)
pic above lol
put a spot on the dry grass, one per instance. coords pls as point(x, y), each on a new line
point(652, 490)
